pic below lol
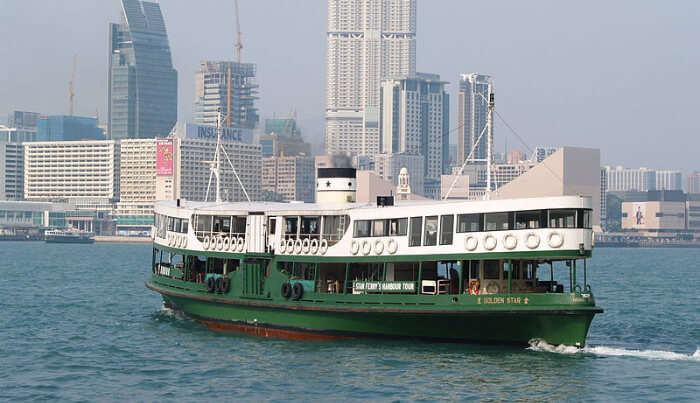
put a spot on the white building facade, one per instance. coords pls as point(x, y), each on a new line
point(474, 89)
point(630, 179)
point(669, 180)
point(367, 41)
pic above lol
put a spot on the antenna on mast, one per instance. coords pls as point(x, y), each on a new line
point(239, 43)
point(71, 92)
point(489, 140)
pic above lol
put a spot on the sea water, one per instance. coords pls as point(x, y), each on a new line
point(78, 324)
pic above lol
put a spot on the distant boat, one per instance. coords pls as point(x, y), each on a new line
point(68, 236)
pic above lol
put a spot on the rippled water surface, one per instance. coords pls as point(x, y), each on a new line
point(78, 324)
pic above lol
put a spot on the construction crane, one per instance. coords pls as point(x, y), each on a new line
point(71, 91)
point(239, 43)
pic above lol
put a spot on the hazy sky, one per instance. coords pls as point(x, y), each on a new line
point(619, 75)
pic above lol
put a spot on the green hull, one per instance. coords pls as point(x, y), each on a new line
point(330, 316)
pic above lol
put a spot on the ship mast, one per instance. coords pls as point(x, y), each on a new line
point(489, 140)
point(217, 158)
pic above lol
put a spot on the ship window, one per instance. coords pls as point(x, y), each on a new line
point(291, 225)
point(584, 218)
point(310, 225)
point(431, 230)
point(492, 269)
point(446, 229)
point(474, 269)
point(416, 228)
point(528, 219)
point(562, 218)
point(185, 225)
point(362, 228)
point(380, 228)
point(469, 223)
point(203, 223)
point(496, 221)
point(398, 226)
point(171, 223)
point(273, 226)
point(304, 271)
point(239, 225)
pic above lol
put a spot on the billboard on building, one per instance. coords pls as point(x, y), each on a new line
point(164, 157)
point(639, 214)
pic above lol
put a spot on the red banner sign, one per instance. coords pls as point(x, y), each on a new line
point(164, 157)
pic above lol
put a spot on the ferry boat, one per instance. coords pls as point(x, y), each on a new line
point(477, 271)
point(68, 236)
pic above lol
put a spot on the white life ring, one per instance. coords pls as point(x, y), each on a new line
point(184, 241)
point(290, 245)
point(314, 246)
point(366, 247)
point(532, 240)
point(306, 245)
point(297, 246)
point(471, 242)
point(205, 242)
point(354, 247)
point(240, 244)
point(219, 243)
point(323, 246)
point(227, 243)
point(490, 242)
point(392, 246)
point(282, 246)
point(181, 240)
point(555, 239)
point(510, 241)
point(170, 239)
point(378, 247)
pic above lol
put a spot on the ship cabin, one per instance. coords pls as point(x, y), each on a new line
point(314, 252)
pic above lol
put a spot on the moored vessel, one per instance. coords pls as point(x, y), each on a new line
point(68, 236)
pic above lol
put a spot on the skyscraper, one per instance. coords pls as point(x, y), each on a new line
point(142, 81)
point(413, 120)
point(229, 87)
point(368, 41)
point(474, 91)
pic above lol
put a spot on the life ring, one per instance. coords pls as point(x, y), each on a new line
point(184, 241)
point(211, 284)
point(392, 246)
point(226, 285)
point(297, 291)
point(354, 247)
point(470, 242)
point(205, 242)
point(555, 239)
point(240, 244)
point(297, 246)
point(306, 245)
point(474, 287)
point(170, 239)
point(532, 240)
point(290, 245)
point(181, 242)
point(510, 241)
point(227, 243)
point(219, 243)
point(378, 247)
point(314, 246)
point(282, 246)
point(323, 246)
point(366, 247)
point(493, 288)
point(286, 290)
point(490, 242)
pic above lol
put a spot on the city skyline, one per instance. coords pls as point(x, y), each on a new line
point(562, 81)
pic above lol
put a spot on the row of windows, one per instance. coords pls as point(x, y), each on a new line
point(502, 221)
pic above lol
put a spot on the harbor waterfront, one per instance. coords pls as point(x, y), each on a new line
point(77, 325)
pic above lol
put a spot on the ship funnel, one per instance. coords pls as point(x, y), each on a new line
point(336, 185)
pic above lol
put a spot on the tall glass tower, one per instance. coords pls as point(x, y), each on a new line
point(142, 81)
point(474, 92)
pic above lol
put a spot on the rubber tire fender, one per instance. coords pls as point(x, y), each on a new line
point(211, 284)
point(297, 291)
point(219, 285)
point(286, 290)
point(226, 285)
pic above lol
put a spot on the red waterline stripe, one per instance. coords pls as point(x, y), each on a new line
point(269, 332)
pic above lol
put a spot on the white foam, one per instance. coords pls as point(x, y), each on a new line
point(539, 345)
